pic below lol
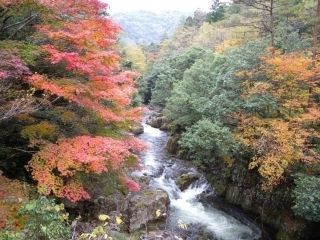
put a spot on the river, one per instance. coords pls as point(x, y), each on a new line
point(192, 211)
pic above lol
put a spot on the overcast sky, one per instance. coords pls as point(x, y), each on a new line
point(158, 5)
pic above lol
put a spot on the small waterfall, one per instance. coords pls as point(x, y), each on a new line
point(185, 205)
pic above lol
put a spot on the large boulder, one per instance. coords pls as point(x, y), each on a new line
point(137, 129)
point(185, 180)
point(156, 121)
point(148, 205)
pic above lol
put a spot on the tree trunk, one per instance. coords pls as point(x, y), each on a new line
point(272, 24)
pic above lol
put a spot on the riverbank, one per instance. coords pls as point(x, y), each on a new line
point(237, 185)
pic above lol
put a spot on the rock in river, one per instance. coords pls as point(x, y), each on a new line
point(146, 206)
point(156, 121)
point(137, 129)
point(185, 180)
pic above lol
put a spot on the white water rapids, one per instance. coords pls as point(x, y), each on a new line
point(185, 206)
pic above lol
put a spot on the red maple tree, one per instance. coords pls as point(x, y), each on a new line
point(79, 36)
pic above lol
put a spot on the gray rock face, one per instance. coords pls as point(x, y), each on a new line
point(146, 206)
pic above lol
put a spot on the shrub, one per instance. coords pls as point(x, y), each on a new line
point(207, 140)
point(306, 196)
point(46, 220)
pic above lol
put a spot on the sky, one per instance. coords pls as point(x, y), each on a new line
point(158, 5)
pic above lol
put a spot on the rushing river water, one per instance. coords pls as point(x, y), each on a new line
point(190, 207)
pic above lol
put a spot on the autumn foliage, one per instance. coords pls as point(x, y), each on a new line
point(79, 39)
point(90, 55)
point(12, 194)
point(96, 83)
point(69, 157)
point(282, 138)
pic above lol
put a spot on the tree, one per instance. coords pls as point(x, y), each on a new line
point(81, 74)
point(135, 57)
point(268, 7)
point(210, 88)
point(207, 141)
point(57, 166)
point(159, 79)
point(279, 138)
point(96, 82)
point(18, 17)
point(217, 12)
point(276, 145)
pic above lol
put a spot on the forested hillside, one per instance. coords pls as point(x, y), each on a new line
point(143, 27)
point(240, 93)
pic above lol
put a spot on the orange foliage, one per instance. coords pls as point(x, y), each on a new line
point(282, 140)
point(80, 37)
point(83, 39)
point(291, 76)
point(293, 65)
point(56, 164)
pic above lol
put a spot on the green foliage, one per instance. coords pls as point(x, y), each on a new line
point(289, 39)
point(306, 196)
point(206, 141)
point(169, 71)
point(210, 88)
point(261, 104)
point(18, 19)
point(217, 12)
point(8, 234)
point(46, 220)
point(28, 52)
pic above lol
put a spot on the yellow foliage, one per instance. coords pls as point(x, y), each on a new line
point(291, 77)
point(276, 144)
point(137, 57)
point(214, 35)
point(26, 118)
point(158, 213)
point(42, 131)
point(227, 44)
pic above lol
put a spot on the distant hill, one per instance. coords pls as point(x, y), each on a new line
point(143, 27)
